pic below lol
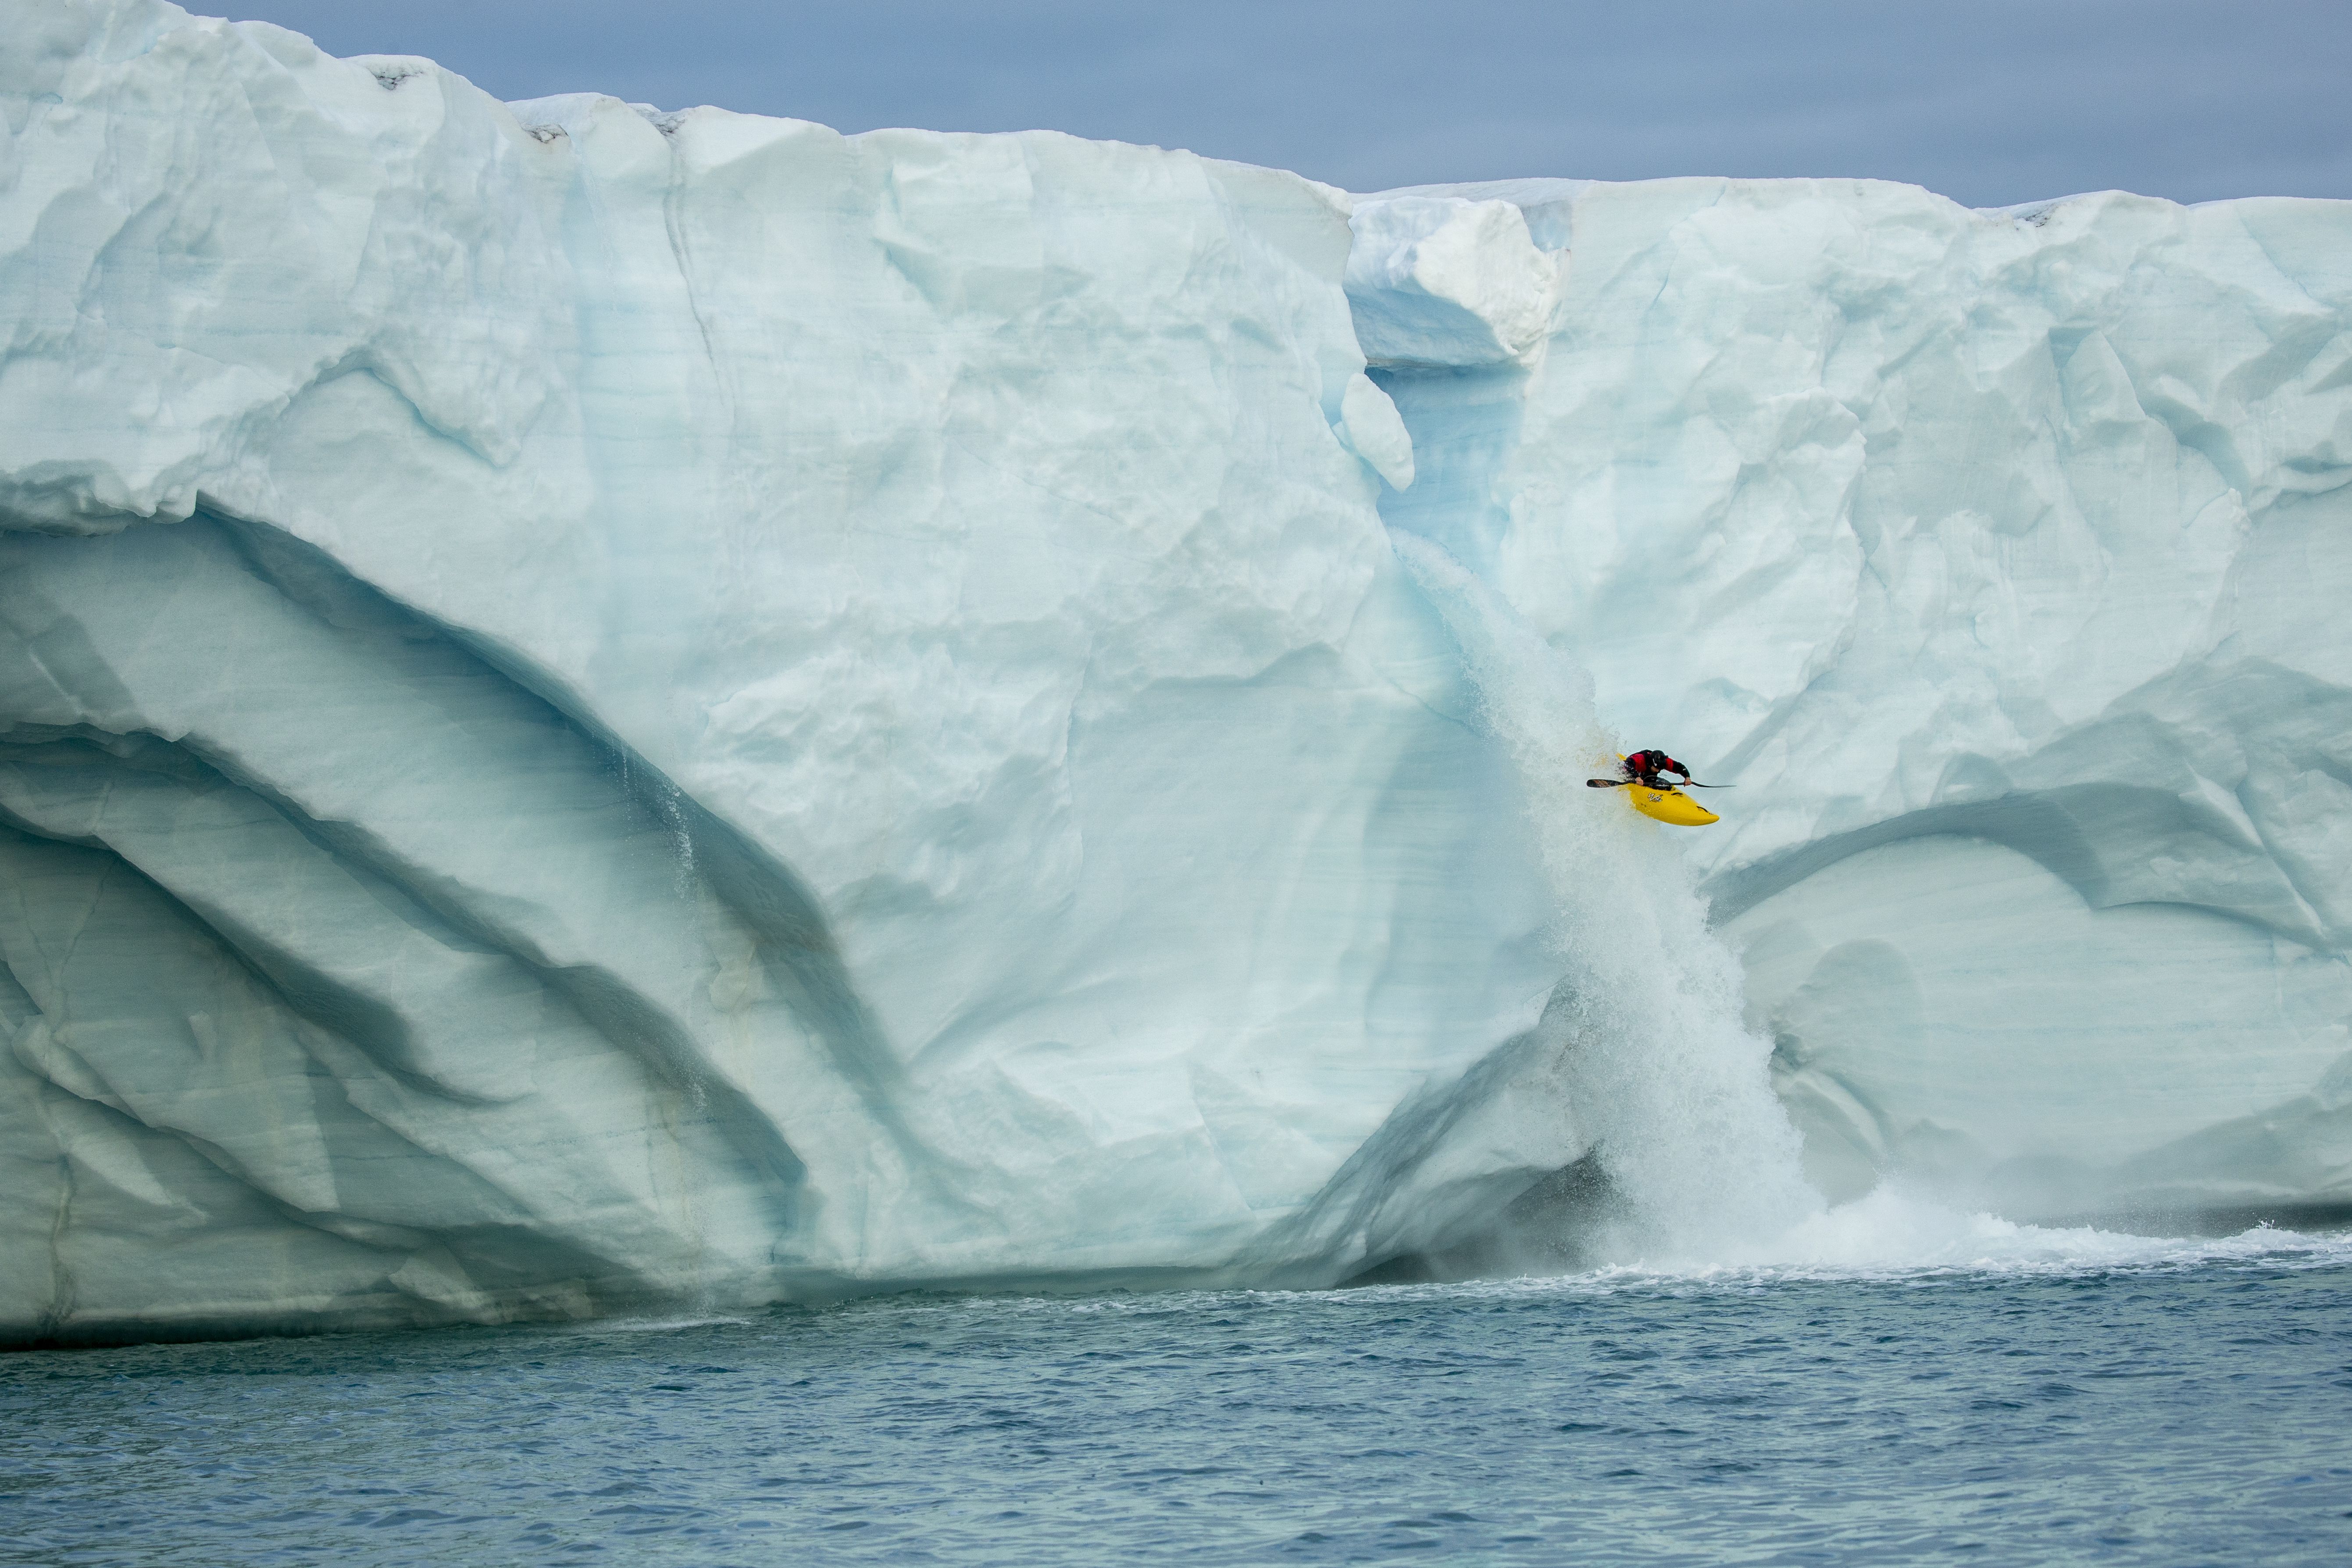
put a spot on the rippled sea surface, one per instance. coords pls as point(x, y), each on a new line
point(2194, 1409)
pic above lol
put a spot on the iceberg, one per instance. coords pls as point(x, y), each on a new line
point(603, 708)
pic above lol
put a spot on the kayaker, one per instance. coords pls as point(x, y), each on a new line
point(1643, 768)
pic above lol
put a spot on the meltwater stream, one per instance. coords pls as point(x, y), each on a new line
point(2053, 1397)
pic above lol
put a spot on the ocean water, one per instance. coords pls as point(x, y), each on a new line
point(2058, 1397)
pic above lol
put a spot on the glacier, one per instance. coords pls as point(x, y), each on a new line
point(605, 709)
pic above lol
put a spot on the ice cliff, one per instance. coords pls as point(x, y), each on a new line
point(602, 708)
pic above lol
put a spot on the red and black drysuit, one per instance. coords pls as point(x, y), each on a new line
point(1644, 767)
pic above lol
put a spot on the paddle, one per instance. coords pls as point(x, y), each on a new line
point(1619, 783)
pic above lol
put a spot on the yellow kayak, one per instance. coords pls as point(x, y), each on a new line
point(1669, 806)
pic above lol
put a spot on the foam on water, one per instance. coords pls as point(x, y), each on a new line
point(1893, 1231)
point(1889, 1239)
point(1891, 1234)
point(662, 1325)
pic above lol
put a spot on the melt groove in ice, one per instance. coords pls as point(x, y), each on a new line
point(601, 708)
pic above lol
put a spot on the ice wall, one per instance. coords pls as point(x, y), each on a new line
point(2000, 559)
point(607, 706)
point(602, 708)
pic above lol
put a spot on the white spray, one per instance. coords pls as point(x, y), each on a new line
point(1663, 1069)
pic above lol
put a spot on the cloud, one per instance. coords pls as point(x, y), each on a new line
point(1991, 101)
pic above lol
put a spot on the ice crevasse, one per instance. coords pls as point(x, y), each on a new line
point(600, 707)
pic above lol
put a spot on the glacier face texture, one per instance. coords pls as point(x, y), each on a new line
point(603, 708)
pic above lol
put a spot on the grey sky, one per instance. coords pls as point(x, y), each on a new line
point(1990, 101)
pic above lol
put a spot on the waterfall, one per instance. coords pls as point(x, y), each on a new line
point(1661, 1066)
